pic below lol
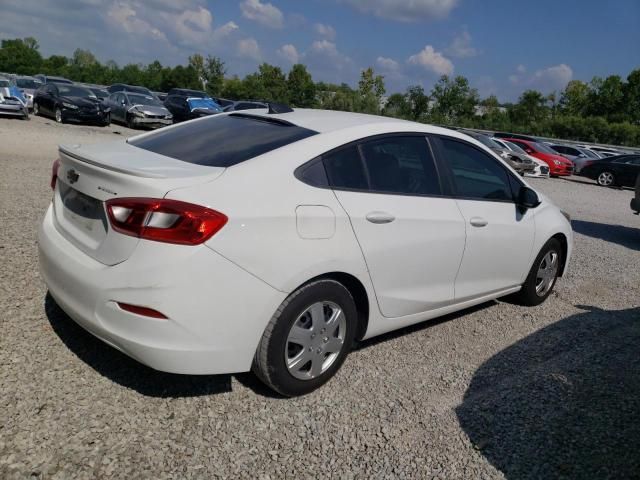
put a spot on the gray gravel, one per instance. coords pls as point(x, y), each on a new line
point(497, 391)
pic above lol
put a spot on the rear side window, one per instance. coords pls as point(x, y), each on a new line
point(401, 165)
point(222, 141)
point(475, 174)
point(345, 170)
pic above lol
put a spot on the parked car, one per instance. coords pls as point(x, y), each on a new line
point(620, 171)
point(603, 152)
point(138, 110)
point(69, 103)
point(223, 102)
point(541, 169)
point(156, 248)
point(101, 93)
point(162, 96)
point(635, 201)
point(123, 87)
point(579, 156)
point(558, 165)
point(12, 101)
point(187, 104)
point(51, 79)
point(518, 162)
point(28, 86)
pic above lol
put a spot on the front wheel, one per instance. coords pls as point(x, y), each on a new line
point(307, 339)
point(129, 122)
point(59, 118)
point(36, 108)
point(542, 276)
point(606, 179)
point(107, 120)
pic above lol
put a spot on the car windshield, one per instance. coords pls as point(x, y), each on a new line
point(515, 148)
point(28, 83)
point(74, 91)
point(206, 103)
point(541, 147)
point(138, 99)
point(487, 142)
point(588, 153)
point(4, 83)
point(99, 92)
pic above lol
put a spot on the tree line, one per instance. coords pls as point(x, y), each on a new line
point(604, 110)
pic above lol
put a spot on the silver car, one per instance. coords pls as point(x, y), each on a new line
point(28, 86)
point(137, 110)
point(12, 101)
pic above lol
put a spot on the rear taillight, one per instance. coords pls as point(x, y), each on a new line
point(164, 220)
point(54, 173)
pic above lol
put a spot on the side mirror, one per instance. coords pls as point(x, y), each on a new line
point(527, 198)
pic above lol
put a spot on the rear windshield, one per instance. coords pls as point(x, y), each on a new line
point(222, 141)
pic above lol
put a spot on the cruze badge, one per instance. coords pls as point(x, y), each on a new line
point(72, 176)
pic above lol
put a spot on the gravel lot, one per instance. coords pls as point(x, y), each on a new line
point(493, 392)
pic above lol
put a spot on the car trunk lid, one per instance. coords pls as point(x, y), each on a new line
point(89, 176)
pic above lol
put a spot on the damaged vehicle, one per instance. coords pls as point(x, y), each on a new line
point(69, 103)
point(28, 86)
point(520, 163)
point(187, 104)
point(137, 110)
point(12, 101)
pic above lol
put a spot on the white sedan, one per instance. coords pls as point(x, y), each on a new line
point(272, 241)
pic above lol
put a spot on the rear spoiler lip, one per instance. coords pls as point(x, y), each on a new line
point(137, 173)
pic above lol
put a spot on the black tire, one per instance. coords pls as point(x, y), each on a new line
point(270, 364)
point(528, 295)
point(129, 122)
point(606, 179)
point(58, 115)
point(36, 108)
point(107, 120)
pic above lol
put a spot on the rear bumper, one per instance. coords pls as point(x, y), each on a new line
point(216, 311)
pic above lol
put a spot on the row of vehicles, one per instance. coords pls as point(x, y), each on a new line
point(131, 105)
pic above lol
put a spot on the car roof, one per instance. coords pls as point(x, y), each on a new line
point(325, 121)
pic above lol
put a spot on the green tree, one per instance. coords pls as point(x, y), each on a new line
point(454, 99)
point(632, 97)
point(300, 87)
point(606, 96)
point(418, 102)
point(210, 72)
point(574, 98)
point(531, 108)
point(274, 83)
point(397, 106)
point(20, 56)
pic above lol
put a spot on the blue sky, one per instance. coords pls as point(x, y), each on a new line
point(503, 47)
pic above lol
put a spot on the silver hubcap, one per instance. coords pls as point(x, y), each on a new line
point(58, 116)
point(35, 108)
point(605, 178)
point(315, 340)
point(547, 272)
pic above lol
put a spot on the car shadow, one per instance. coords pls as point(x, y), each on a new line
point(125, 371)
point(626, 236)
point(563, 402)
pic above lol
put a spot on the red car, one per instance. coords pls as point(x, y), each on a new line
point(558, 165)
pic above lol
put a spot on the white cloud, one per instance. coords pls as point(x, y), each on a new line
point(551, 78)
point(124, 16)
point(326, 31)
point(405, 10)
point(248, 47)
point(461, 46)
point(193, 26)
point(263, 13)
point(387, 64)
point(289, 53)
point(432, 60)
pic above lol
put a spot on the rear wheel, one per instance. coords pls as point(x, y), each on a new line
point(36, 108)
point(606, 179)
point(307, 339)
point(542, 276)
point(129, 122)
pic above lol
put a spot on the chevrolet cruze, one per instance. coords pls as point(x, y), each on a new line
point(272, 240)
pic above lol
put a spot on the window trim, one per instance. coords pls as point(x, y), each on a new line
point(446, 168)
point(445, 191)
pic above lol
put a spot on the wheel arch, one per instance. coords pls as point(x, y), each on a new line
point(564, 245)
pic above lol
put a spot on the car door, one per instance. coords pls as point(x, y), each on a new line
point(46, 103)
point(412, 236)
point(122, 107)
point(629, 171)
point(499, 235)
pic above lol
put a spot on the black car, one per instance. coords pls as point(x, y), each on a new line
point(100, 93)
point(66, 102)
point(621, 171)
point(187, 104)
point(635, 201)
point(245, 105)
point(123, 87)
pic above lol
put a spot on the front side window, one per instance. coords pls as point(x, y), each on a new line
point(401, 165)
point(476, 175)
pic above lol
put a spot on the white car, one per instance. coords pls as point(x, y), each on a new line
point(542, 168)
point(272, 241)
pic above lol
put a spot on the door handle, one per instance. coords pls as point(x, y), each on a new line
point(380, 217)
point(478, 222)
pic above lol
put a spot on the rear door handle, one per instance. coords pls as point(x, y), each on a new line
point(380, 217)
point(478, 222)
